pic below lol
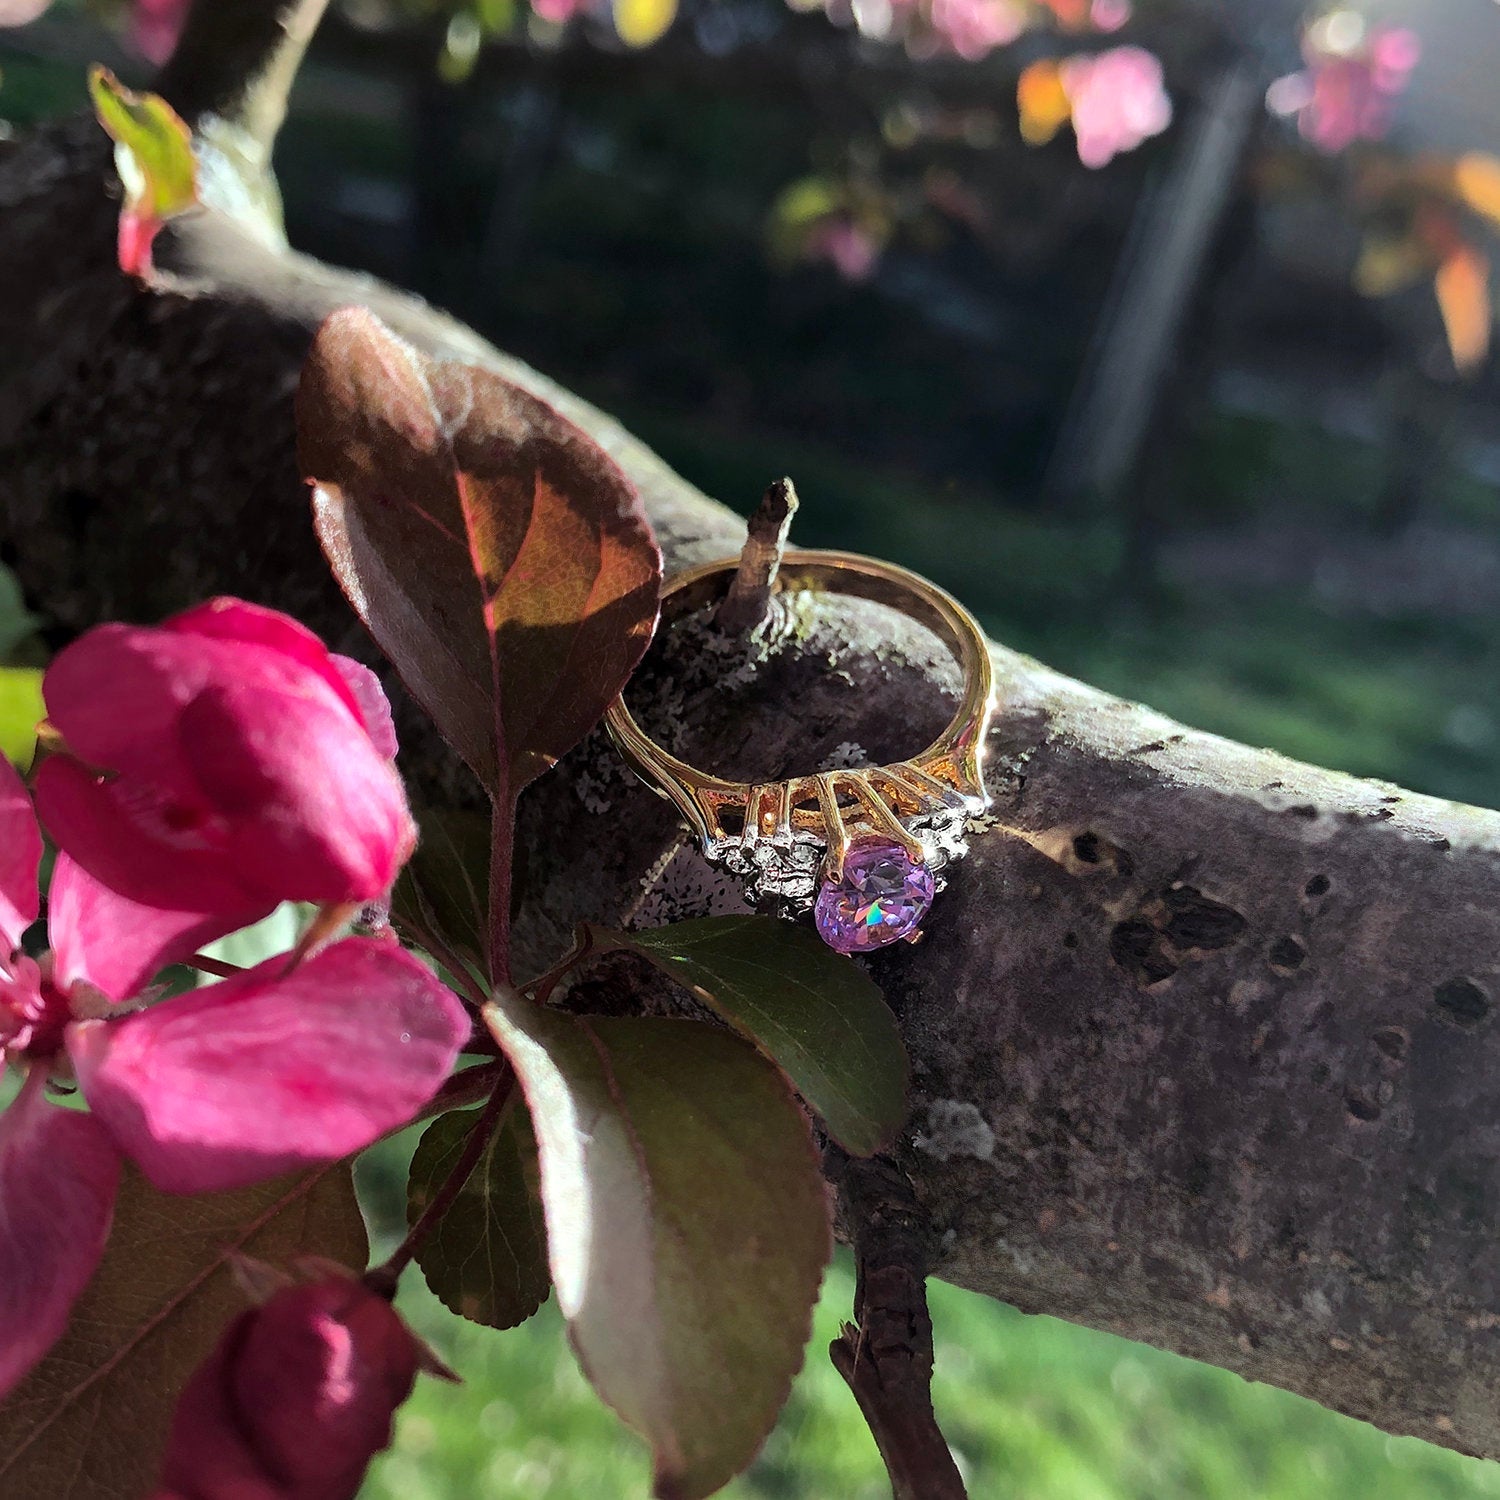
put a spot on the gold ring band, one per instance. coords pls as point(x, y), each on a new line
point(899, 802)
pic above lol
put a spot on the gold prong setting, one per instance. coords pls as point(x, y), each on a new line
point(792, 834)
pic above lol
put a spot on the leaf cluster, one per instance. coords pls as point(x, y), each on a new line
point(660, 1173)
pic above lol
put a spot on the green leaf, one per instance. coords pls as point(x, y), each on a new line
point(815, 1014)
point(498, 555)
point(158, 142)
point(16, 621)
point(21, 709)
point(442, 894)
point(686, 1222)
point(90, 1421)
point(486, 1258)
point(154, 157)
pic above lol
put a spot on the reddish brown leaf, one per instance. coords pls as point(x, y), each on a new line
point(499, 557)
point(90, 1421)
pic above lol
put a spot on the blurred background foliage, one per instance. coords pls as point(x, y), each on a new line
point(1158, 333)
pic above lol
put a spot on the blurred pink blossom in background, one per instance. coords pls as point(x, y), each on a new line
point(972, 28)
point(1109, 15)
point(1353, 78)
point(155, 26)
point(295, 1400)
point(1119, 100)
point(851, 250)
point(21, 12)
point(558, 11)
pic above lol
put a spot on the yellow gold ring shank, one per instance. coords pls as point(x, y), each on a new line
point(920, 804)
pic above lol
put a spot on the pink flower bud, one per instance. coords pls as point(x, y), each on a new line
point(295, 1400)
point(223, 762)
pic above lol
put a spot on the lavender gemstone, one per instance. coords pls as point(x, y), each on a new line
point(881, 897)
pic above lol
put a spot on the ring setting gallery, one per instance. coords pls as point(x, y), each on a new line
point(866, 850)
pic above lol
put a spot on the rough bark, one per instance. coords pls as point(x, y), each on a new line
point(1203, 1039)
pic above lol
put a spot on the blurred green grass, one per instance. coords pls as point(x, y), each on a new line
point(1035, 1408)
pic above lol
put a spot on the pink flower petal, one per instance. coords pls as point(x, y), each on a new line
point(20, 858)
point(374, 706)
point(155, 26)
point(136, 847)
point(115, 693)
point(295, 1400)
point(318, 814)
point(119, 946)
point(225, 762)
point(21, 12)
point(58, 1174)
point(228, 619)
point(272, 1070)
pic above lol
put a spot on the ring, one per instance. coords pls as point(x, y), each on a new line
point(864, 849)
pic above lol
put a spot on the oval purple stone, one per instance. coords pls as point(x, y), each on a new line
point(881, 897)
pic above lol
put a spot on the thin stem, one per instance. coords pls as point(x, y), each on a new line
point(236, 60)
point(886, 1356)
point(461, 1090)
point(215, 966)
point(749, 596)
point(502, 855)
point(540, 989)
point(456, 969)
point(468, 1087)
point(383, 1278)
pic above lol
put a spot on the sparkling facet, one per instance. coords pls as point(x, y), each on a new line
point(881, 897)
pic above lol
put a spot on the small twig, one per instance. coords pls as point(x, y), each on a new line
point(540, 989)
point(887, 1358)
point(215, 966)
point(383, 1278)
point(749, 596)
point(473, 993)
point(467, 1087)
point(237, 62)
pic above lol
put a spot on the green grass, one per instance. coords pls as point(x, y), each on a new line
point(1035, 1409)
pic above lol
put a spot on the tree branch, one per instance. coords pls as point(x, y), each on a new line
point(1203, 1040)
point(885, 1356)
point(749, 597)
point(236, 60)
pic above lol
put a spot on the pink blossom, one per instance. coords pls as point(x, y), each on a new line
point(1118, 99)
point(1351, 95)
point(1109, 15)
point(850, 249)
point(155, 26)
point(282, 1066)
point(58, 1174)
point(271, 1070)
point(21, 12)
point(134, 239)
point(221, 762)
point(973, 28)
point(558, 11)
point(295, 1400)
